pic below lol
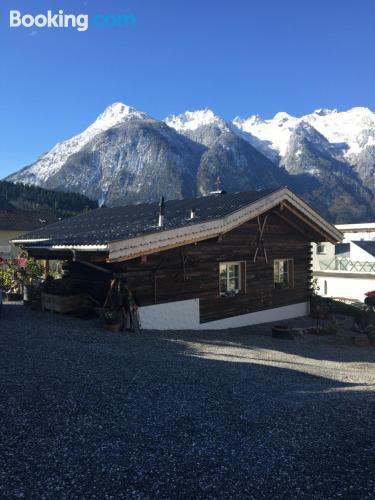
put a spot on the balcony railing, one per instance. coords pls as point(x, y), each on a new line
point(348, 265)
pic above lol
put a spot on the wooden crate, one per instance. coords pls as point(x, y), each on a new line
point(63, 303)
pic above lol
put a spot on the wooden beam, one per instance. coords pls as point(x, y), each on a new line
point(293, 224)
point(308, 222)
point(161, 249)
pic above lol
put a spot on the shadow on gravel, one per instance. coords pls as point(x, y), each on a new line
point(330, 348)
point(87, 414)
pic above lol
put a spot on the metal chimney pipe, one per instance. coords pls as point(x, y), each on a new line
point(192, 213)
point(161, 211)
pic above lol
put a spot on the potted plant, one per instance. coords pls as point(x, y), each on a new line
point(31, 277)
point(112, 320)
point(10, 281)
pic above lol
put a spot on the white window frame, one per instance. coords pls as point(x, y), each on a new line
point(230, 291)
point(289, 274)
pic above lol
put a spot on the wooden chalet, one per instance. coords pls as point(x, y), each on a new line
point(220, 261)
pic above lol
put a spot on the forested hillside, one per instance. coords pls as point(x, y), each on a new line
point(22, 197)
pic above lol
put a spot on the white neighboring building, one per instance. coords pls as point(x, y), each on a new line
point(347, 271)
point(357, 232)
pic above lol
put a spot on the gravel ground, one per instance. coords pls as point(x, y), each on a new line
point(235, 414)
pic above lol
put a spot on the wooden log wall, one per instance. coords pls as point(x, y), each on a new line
point(193, 271)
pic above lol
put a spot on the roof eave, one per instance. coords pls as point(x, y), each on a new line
point(42, 244)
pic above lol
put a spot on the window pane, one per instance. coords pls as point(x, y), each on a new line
point(223, 278)
point(281, 273)
point(223, 271)
point(233, 277)
point(277, 271)
point(229, 277)
point(234, 270)
point(233, 284)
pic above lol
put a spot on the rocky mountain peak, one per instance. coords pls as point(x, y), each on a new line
point(192, 120)
point(115, 114)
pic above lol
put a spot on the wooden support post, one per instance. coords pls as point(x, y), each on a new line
point(46, 269)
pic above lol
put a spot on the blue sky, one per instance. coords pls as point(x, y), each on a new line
point(237, 57)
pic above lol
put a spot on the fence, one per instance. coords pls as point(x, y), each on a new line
point(351, 266)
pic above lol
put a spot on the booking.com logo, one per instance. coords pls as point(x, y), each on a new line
point(80, 22)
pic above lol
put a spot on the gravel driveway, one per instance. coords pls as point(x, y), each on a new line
point(236, 414)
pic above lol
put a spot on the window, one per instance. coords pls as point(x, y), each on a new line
point(283, 273)
point(320, 249)
point(230, 277)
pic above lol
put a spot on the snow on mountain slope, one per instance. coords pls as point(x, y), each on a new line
point(354, 128)
point(50, 163)
point(276, 131)
point(125, 156)
point(351, 130)
point(192, 120)
point(202, 126)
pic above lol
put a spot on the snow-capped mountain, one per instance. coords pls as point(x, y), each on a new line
point(274, 134)
point(311, 164)
point(351, 130)
point(229, 154)
point(354, 129)
point(48, 164)
point(202, 126)
point(192, 120)
point(127, 156)
point(350, 136)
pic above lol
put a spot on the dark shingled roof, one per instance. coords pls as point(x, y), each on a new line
point(22, 220)
point(103, 225)
point(367, 246)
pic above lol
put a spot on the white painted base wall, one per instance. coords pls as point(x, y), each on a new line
point(181, 315)
point(184, 315)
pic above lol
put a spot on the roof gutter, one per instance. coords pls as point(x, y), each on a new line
point(79, 248)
